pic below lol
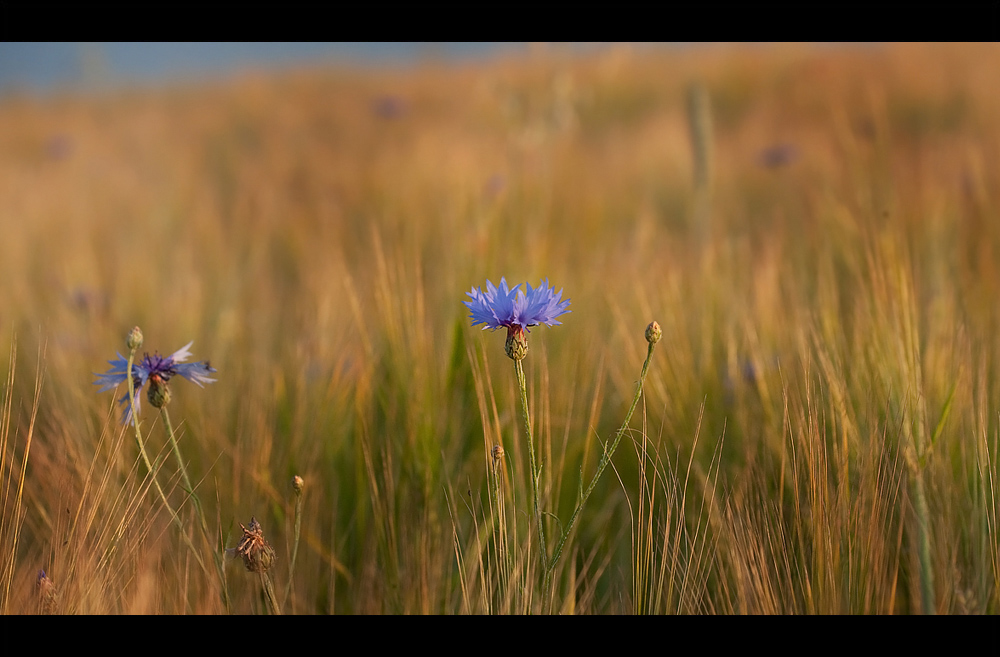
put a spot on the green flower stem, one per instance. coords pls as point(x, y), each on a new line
point(605, 460)
point(500, 531)
point(189, 489)
point(924, 543)
point(535, 472)
point(149, 466)
point(295, 542)
point(298, 530)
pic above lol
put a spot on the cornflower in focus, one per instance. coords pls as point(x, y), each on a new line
point(157, 371)
point(516, 310)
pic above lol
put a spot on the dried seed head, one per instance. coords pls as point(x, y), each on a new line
point(159, 391)
point(297, 484)
point(258, 555)
point(134, 339)
point(653, 333)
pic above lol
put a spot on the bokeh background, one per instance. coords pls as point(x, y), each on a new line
point(813, 226)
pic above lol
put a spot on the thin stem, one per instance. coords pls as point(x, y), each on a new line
point(149, 467)
point(269, 596)
point(535, 472)
point(500, 530)
point(295, 542)
point(924, 543)
point(189, 489)
point(605, 460)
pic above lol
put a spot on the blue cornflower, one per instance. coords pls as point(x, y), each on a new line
point(516, 310)
point(155, 369)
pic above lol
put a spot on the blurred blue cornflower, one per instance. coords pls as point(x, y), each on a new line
point(516, 310)
point(157, 369)
point(47, 591)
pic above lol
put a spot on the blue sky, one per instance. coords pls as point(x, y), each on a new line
point(53, 65)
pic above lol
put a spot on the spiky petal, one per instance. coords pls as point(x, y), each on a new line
point(508, 307)
point(160, 366)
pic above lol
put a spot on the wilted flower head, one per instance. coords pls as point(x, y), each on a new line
point(257, 553)
point(516, 310)
point(158, 368)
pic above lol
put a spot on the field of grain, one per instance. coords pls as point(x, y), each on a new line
point(816, 229)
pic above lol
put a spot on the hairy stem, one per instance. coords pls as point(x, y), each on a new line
point(535, 472)
point(149, 466)
point(188, 488)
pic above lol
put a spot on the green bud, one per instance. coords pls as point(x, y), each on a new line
point(653, 333)
point(517, 343)
point(134, 339)
point(159, 391)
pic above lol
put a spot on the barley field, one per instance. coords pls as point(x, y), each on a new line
point(815, 230)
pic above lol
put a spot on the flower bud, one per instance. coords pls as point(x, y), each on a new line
point(159, 391)
point(653, 333)
point(517, 343)
point(497, 456)
point(297, 484)
point(262, 560)
point(134, 338)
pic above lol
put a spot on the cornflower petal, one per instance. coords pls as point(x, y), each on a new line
point(482, 312)
point(544, 305)
point(128, 415)
point(495, 307)
point(505, 303)
point(196, 372)
point(114, 376)
point(182, 354)
point(512, 307)
point(142, 370)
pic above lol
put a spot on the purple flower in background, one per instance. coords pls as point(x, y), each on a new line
point(389, 107)
point(516, 310)
point(59, 147)
point(778, 156)
point(157, 368)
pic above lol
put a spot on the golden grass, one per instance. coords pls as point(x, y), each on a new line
point(829, 333)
